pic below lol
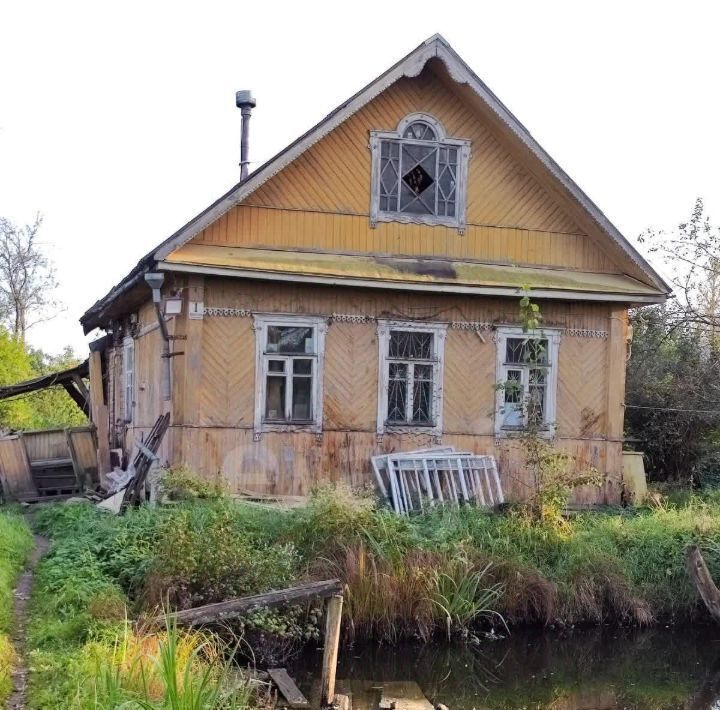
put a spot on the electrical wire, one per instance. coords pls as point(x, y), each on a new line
point(674, 409)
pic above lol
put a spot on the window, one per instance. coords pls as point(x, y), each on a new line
point(289, 372)
point(129, 377)
point(410, 382)
point(527, 380)
point(418, 175)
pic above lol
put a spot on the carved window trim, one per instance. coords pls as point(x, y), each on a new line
point(553, 337)
point(377, 138)
point(128, 361)
point(261, 323)
point(439, 332)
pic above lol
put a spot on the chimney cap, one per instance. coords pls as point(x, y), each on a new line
point(244, 99)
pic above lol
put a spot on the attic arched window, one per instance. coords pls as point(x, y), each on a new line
point(418, 174)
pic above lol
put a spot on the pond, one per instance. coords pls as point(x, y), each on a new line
point(586, 669)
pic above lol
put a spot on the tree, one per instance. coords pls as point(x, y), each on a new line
point(27, 278)
point(673, 378)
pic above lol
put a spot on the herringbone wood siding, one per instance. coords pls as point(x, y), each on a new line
point(582, 387)
point(469, 383)
point(351, 375)
point(227, 384)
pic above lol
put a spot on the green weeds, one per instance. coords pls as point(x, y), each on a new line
point(15, 543)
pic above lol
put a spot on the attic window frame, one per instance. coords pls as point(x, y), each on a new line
point(261, 323)
point(441, 141)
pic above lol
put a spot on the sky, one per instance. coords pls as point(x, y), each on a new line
point(118, 121)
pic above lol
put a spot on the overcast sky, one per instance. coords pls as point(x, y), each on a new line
point(118, 123)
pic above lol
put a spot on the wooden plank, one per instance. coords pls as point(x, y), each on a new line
point(15, 473)
point(403, 695)
point(99, 413)
point(286, 685)
point(700, 575)
point(330, 652)
point(214, 613)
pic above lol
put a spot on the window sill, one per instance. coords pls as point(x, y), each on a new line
point(408, 218)
point(312, 427)
point(517, 433)
point(430, 429)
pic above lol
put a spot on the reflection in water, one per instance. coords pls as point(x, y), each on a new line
point(590, 669)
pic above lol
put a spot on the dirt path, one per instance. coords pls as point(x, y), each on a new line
point(17, 699)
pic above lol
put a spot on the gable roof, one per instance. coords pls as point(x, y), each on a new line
point(436, 47)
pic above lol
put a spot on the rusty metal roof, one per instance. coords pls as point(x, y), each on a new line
point(407, 272)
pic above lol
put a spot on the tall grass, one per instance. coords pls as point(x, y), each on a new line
point(15, 543)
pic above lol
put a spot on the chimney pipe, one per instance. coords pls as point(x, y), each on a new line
point(246, 103)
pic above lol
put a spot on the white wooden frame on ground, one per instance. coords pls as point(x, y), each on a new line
point(553, 336)
point(412, 480)
point(439, 331)
point(261, 323)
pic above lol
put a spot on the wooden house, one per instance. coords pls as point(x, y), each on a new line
point(358, 293)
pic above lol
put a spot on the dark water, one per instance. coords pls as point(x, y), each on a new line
point(588, 669)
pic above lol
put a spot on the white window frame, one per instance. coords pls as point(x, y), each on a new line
point(463, 147)
point(261, 323)
point(552, 335)
point(439, 332)
point(128, 378)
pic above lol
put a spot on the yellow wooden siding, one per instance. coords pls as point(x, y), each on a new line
point(226, 385)
point(216, 433)
point(273, 228)
point(321, 200)
point(469, 383)
point(295, 463)
point(582, 387)
point(278, 297)
point(351, 376)
point(334, 175)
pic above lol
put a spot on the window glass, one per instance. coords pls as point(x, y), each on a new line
point(289, 339)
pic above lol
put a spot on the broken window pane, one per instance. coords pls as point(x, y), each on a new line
point(288, 339)
point(275, 398)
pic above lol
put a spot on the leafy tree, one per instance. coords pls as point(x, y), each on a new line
point(27, 278)
point(673, 379)
point(673, 390)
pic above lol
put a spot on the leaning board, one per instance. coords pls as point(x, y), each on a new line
point(15, 473)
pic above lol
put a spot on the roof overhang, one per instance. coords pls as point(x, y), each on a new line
point(404, 273)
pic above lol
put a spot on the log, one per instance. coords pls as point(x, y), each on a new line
point(703, 580)
point(233, 608)
point(330, 652)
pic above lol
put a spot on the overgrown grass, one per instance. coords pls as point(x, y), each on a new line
point(15, 543)
point(85, 653)
point(450, 571)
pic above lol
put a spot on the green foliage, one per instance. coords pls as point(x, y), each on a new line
point(15, 543)
point(180, 483)
point(671, 385)
point(45, 409)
